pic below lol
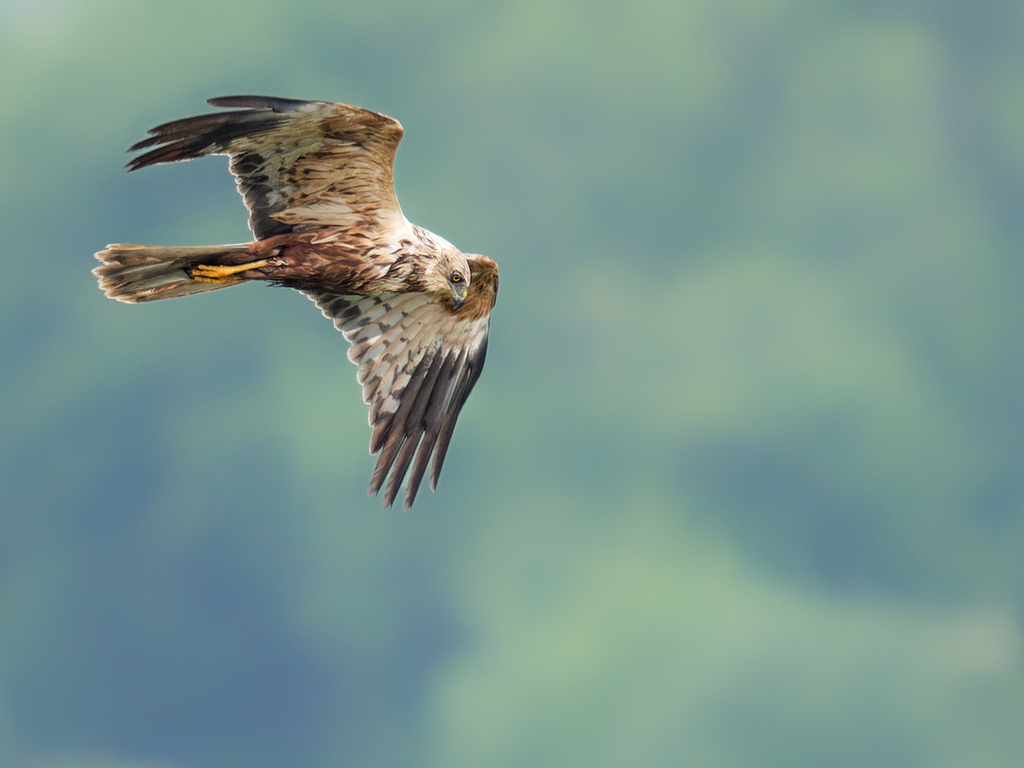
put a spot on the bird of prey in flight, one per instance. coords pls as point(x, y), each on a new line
point(316, 178)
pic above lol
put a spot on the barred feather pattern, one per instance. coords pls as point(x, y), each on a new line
point(138, 273)
point(417, 365)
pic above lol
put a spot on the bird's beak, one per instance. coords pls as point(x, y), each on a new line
point(459, 297)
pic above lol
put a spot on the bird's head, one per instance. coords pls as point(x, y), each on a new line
point(449, 277)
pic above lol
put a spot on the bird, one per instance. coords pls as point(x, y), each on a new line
point(317, 180)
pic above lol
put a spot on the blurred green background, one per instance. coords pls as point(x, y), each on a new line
point(742, 483)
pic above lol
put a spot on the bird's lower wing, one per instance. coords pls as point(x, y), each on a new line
point(418, 363)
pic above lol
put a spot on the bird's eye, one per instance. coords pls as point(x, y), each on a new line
point(455, 277)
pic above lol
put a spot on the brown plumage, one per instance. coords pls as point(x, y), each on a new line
point(317, 180)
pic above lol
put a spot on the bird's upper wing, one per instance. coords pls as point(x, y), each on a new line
point(418, 362)
point(299, 164)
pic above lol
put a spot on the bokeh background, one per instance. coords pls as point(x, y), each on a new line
point(742, 483)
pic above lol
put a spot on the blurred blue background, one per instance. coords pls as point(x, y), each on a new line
point(742, 483)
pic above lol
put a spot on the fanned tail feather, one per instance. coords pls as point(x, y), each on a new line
point(137, 273)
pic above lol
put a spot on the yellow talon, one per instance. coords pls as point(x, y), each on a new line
point(211, 273)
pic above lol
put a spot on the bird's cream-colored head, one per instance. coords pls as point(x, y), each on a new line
point(448, 278)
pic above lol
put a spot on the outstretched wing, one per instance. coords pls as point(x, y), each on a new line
point(299, 164)
point(418, 363)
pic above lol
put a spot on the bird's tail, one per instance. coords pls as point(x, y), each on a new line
point(134, 273)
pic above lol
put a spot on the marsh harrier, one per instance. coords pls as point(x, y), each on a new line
point(316, 178)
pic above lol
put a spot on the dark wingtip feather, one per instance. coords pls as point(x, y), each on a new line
point(398, 471)
point(460, 393)
point(192, 137)
point(406, 430)
point(257, 102)
point(434, 417)
point(384, 462)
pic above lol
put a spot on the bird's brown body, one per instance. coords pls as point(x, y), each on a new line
point(317, 180)
point(327, 260)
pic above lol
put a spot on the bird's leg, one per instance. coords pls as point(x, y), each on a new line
point(211, 273)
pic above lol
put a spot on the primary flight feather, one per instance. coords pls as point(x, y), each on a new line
point(316, 178)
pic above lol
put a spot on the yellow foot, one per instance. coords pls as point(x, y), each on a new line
point(209, 273)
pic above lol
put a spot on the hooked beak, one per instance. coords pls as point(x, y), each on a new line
point(459, 296)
